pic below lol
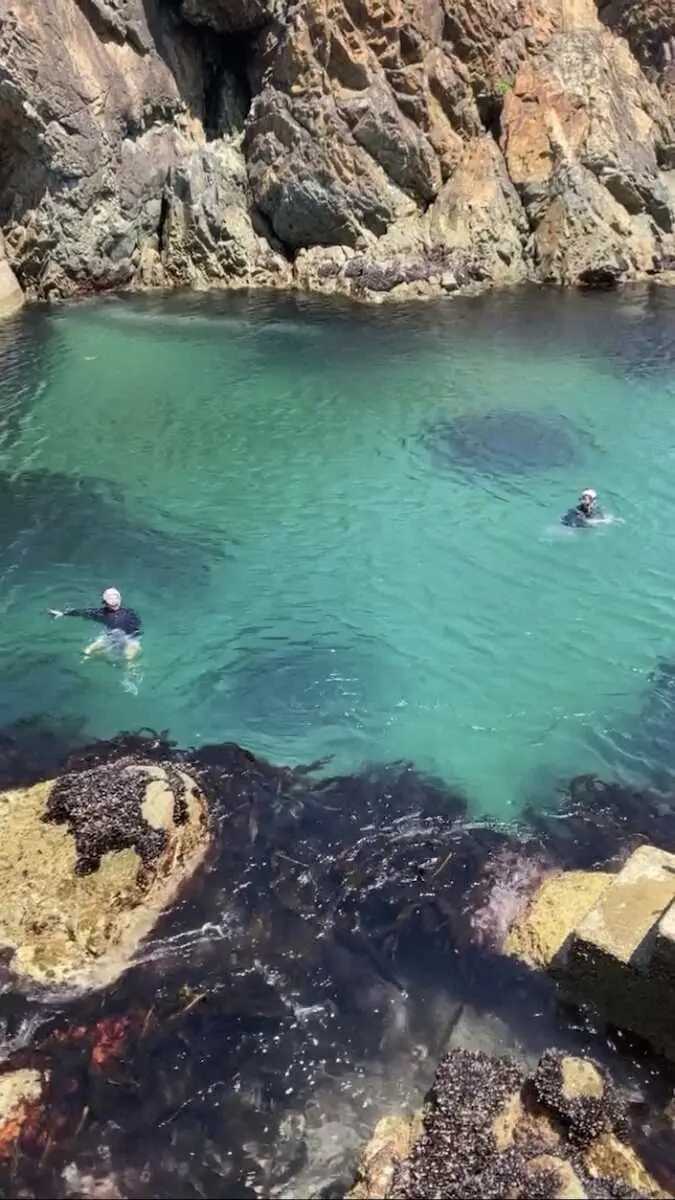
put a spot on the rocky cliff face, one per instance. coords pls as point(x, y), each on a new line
point(370, 147)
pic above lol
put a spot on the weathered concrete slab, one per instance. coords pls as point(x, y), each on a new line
point(609, 940)
point(627, 912)
point(663, 957)
point(621, 957)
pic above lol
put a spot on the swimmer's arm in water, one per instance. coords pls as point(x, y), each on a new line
point(87, 614)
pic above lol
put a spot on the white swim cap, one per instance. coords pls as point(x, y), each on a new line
point(591, 493)
point(112, 598)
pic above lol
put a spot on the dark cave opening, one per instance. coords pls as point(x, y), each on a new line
point(490, 105)
point(227, 87)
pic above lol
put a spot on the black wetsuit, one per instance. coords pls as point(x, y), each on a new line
point(124, 619)
point(579, 516)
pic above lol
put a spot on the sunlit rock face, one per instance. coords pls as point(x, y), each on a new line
point(413, 148)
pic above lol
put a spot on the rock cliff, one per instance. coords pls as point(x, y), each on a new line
point(360, 146)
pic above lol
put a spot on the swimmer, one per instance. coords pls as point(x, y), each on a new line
point(123, 625)
point(587, 511)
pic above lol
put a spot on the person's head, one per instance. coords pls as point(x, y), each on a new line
point(111, 598)
point(588, 498)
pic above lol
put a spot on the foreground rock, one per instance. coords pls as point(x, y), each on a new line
point(490, 1130)
point(610, 941)
point(348, 931)
point(87, 864)
point(412, 148)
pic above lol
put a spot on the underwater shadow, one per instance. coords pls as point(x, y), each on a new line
point(502, 442)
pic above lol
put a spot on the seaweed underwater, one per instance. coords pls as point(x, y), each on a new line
point(339, 936)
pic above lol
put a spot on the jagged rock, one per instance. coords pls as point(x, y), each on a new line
point(417, 148)
point(89, 861)
point(580, 131)
point(207, 235)
point(650, 29)
point(478, 212)
point(73, 106)
point(232, 16)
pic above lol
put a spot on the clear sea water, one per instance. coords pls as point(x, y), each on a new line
point(341, 527)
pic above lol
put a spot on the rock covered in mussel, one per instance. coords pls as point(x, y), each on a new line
point(88, 862)
point(490, 1129)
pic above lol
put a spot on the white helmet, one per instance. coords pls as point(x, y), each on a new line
point(111, 598)
point(590, 492)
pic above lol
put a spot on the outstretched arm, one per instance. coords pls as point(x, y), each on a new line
point(88, 614)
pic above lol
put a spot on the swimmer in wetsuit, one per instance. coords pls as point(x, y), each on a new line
point(123, 625)
point(586, 512)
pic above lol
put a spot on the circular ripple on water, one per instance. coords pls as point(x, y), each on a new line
point(503, 442)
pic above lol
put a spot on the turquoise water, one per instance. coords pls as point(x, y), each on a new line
point(319, 571)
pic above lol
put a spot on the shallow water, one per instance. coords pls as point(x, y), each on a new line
point(341, 526)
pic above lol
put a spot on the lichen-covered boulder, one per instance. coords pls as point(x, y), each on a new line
point(89, 861)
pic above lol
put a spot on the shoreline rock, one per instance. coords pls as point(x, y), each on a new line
point(11, 296)
point(419, 149)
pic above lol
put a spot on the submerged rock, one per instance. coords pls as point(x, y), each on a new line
point(491, 1130)
point(89, 861)
point(502, 442)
